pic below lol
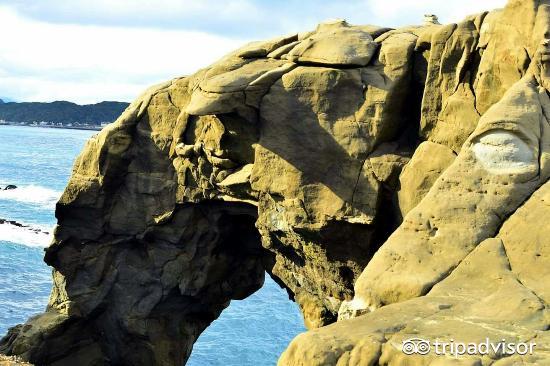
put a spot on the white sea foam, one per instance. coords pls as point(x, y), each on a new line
point(32, 236)
point(35, 195)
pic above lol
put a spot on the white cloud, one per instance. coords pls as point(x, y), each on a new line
point(244, 17)
point(92, 50)
point(232, 9)
point(205, 15)
point(43, 61)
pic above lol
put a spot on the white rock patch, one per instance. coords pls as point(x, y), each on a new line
point(502, 152)
point(353, 308)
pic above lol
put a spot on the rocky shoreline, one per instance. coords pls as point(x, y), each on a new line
point(86, 128)
point(20, 225)
point(12, 361)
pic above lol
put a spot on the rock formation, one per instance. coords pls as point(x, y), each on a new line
point(11, 361)
point(395, 179)
point(430, 19)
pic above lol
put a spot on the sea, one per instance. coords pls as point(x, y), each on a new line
point(254, 331)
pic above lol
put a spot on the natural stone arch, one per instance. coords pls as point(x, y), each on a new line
point(190, 149)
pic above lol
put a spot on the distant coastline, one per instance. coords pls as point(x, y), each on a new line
point(61, 114)
point(62, 126)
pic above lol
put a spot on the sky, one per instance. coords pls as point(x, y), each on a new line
point(87, 51)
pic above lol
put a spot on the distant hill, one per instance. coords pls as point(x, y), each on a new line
point(61, 112)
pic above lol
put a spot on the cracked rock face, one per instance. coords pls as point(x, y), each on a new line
point(396, 179)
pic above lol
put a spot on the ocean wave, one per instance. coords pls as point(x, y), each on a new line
point(35, 195)
point(29, 235)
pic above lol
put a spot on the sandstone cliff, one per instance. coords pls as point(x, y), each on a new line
point(395, 179)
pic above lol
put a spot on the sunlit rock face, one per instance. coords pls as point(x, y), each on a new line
point(395, 179)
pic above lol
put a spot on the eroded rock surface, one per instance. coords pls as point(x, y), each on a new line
point(397, 177)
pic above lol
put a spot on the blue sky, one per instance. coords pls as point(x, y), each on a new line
point(92, 50)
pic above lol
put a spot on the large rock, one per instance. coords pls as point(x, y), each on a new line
point(500, 166)
point(485, 297)
point(257, 163)
point(498, 291)
point(397, 177)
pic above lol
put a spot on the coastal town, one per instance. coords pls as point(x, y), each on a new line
point(75, 125)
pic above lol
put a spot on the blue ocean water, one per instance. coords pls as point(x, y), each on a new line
point(38, 160)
